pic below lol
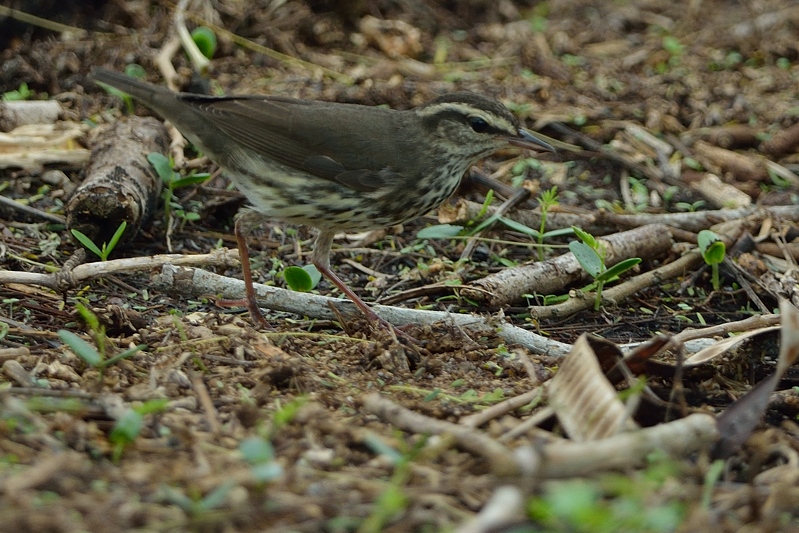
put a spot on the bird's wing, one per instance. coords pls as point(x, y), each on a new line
point(269, 126)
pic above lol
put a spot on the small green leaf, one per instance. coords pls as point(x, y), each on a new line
point(205, 39)
point(162, 166)
point(265, 472)
point(587, 257)
point(705, 238)
point(484, 224)
point(618, 269)
point(562, 232)
point(217, 497)
point(87, 242)
point(90, 318)
point(124, 355)
point(439, 231)
point(316, 276)
point(187, 181)
point(256, 450)
point(521, 228)
point(127, 428)
point(712, 247)
point(136, 71)
point(115, 238)
point(158, 405)
point(586, 237)
point(486, 204)
point(82, 349)
point(298, 279)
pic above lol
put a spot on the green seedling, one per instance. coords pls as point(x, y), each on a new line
point(196, 507)
point(690, 207)
point(393, 500)
point(128, 427)
point(106, 249)
point(23, 93)
point(205, 39)
point(172, 182)
point(713, 252)
point(260, 454)
point(590, 253)
point(95, 356)
point(302, 279)
point(258, 450)
point(546, 200)
point(449, 231)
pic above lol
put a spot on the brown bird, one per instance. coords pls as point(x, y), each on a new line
point(336, 167)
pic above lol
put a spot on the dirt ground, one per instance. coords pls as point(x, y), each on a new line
point(216, 425)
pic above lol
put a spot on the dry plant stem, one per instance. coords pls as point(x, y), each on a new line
point(500, 458)
point(720, 194)
point(283, 58)
point(22, 112)
point(505, 508)
point(611, 154)
point(552, 276)
point(198, 282)
point(31, 211)
point(602, 222)
point(81, 273)
point(13, 353)
point(484, 182)
point(743, 278)
point(198, 60)
point(164, 62)
point(740, 326)
point(536, 419)
point(688, 435)
point(618, 293)
point(742, 166)
point(32, 146)
point(211, 415)
point(481, 417)
point(17, 373)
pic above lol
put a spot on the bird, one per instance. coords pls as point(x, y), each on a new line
point(333, 166)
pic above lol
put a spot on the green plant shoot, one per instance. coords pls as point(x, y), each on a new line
point(590, 253)
point(106, 249)
point(713, 251)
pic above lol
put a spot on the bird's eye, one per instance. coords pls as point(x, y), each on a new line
point(478, 124)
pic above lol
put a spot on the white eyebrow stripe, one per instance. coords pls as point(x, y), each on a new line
point(469, 111)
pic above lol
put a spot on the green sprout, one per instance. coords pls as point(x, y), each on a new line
point(590, 253)
point(302, 279)
point(713, 252)
point(106, 249)
point(23, 93)
point(546, 200)
point(128, 427)
point(205, 39)
point(95, 356)
point(173, 181)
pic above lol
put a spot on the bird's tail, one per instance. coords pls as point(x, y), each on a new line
point(141, 90)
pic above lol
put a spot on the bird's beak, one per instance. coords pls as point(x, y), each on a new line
point(530, 141)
